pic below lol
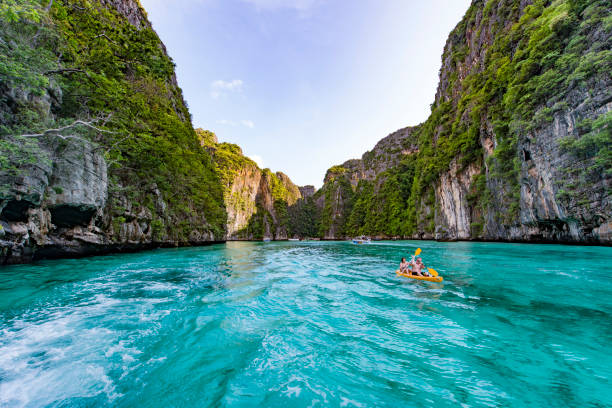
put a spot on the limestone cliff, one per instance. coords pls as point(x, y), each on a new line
point(256, 200)
point(97, 151)
point(518, 144)
point(387, 153)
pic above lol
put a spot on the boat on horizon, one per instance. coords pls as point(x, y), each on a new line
point(362, 240)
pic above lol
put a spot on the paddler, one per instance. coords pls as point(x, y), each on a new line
point(420, 268)
point(416, 268)
point(404, 266)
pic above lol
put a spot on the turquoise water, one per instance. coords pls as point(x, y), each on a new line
point(310, 324)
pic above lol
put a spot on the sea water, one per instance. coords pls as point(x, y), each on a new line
point(303, 324)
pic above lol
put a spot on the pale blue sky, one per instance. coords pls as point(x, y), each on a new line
point(302, 85)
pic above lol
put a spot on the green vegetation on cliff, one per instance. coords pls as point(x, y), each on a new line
point(257, 200)
point(506, 72)
point(304, 219)
point(88, 63)
point(79, 70)
point(228, 160)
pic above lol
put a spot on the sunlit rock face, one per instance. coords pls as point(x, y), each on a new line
point(130, 9)
point(257, 201)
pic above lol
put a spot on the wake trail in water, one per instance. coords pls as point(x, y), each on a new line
point(305, 324)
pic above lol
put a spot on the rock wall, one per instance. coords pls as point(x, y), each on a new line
point(535, 181)
point(131, 10)
point(240, 204)
point(545, 214)
point(256, 200)
point(52, 205)
point(454, 213)
point(307, 191)
point(387, 153)
point(545, 170)
point(59, 194)
point(334, 199)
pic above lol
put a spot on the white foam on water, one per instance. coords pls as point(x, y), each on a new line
point(346, 402)
point(292, 391)
point(50, 355)
point(157, 360)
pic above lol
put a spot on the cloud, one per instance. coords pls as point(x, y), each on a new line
point(246, 123)
point(221, 87)
point(300, 5)
point(226, 122)
point(257, 159)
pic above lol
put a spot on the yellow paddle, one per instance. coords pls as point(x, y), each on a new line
point(416, 253)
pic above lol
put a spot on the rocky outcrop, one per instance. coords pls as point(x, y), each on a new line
point(74, 185)
point(131, 10)
point(256, 200)
point(241, 199)
point(548, 212)
point(554, 201)
point(78, 185)
point(453, 215)
point(335, 198)
point(52, 205)
point(387, 153)
point(307, 191)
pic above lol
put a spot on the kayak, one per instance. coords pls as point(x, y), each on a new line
point(423, 278)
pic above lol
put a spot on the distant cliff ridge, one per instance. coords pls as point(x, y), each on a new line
point(307, 191)
point(518, 146)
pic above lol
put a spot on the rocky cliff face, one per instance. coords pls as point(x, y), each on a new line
point(52, 205)
point(517, 146)
point(307, 191)
point(97, 172)
point(256, 200)
point(131, 10)
point(387, 153)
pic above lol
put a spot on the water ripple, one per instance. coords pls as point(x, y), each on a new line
point(310, 324)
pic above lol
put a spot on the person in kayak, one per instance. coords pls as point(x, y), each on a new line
point(421, 266)
point(416, 268)
point(404, 266)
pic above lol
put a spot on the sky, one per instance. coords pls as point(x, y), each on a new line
point(302, 85)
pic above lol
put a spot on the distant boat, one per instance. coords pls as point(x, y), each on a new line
point(293, 239)
point(362, 240)
point(266, 239)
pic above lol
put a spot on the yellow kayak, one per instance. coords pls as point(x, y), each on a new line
point(433, 278)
